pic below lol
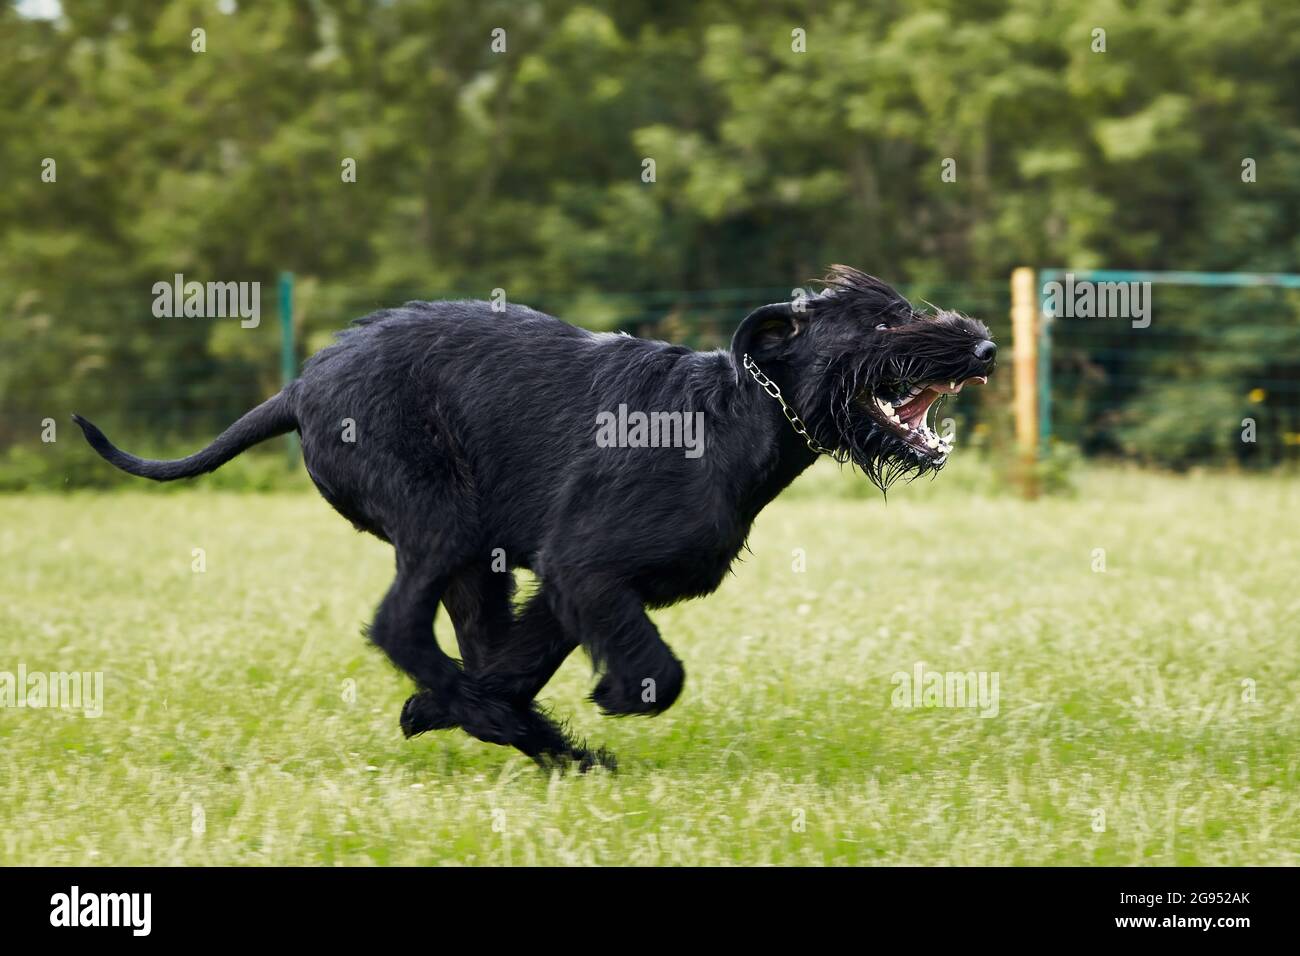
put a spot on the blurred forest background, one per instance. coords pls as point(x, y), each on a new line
point(522, 169)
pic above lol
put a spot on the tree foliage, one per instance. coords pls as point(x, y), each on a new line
point(523, 169)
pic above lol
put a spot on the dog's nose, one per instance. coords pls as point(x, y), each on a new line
point(985, 351)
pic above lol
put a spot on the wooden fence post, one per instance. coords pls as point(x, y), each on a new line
point(1024, 351)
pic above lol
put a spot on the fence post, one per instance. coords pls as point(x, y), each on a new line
point(1024, 352)
point(1044, 338)
point(288, 354)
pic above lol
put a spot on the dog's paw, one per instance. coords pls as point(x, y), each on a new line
point(600, 757)
point(490, 719)
point(423, 712)
point(621, 695)
point(579, 758)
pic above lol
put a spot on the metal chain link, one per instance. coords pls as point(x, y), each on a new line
point(795, 421)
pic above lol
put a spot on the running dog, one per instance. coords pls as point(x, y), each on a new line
point(477, 441)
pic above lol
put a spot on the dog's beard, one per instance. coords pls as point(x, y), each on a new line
point(882, 412)
point(879, 452)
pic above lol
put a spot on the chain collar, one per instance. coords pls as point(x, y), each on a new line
point(795, 421)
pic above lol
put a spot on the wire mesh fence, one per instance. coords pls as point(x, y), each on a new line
point(1209, 374)
point(1212, 365)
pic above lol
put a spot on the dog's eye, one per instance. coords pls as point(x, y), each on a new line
point(882, 326)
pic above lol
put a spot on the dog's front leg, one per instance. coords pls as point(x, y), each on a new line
point(639, 674)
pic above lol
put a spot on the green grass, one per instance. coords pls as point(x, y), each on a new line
point(226, 738)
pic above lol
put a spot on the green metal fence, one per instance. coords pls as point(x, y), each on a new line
point(1217, 350)
point(1220, 349)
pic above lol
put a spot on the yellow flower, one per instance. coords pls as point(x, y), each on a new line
point(1257, 395)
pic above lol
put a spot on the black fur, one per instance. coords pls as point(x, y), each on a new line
point(476, 431)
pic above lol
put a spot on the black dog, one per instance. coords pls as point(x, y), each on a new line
point(472, 441)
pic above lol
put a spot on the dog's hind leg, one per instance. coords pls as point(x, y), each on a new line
point(403, 629)
point(512, 658)
point(478, 601)
point(521, 666)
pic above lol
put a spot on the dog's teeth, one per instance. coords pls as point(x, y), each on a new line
point(888, 408)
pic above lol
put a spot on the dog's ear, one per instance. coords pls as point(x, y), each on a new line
point(767, 332)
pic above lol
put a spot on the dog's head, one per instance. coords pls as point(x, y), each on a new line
point(863, 368)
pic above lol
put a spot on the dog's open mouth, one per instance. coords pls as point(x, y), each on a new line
point(907, 415)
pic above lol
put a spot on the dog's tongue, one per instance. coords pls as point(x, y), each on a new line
point(913, 411)
point(951, 388)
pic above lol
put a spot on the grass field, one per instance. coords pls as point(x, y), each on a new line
point(1147, 714)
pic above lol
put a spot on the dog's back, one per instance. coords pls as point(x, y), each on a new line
point(480, 404)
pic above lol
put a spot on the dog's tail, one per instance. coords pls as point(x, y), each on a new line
point(273, 417)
